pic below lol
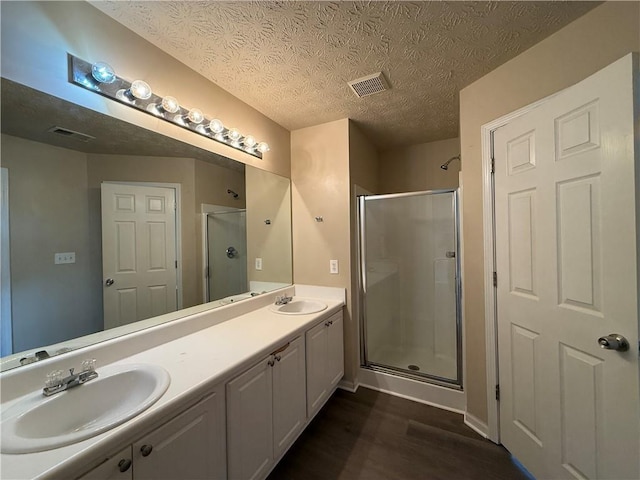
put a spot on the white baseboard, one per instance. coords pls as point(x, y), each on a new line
point(349, 386)
point(427, 393)
point(477, 425)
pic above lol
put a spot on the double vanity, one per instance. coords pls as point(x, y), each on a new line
point(219, 394)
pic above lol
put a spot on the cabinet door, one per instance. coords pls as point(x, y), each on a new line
point(317, 385)
point(289, 397)
point(249, 422)
point(335, 346)
point(117, 467)
point(189, 446)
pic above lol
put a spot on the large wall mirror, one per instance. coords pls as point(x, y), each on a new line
point(108, 227)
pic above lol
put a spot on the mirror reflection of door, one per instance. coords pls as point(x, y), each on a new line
point(227, 253)
point(139, 261)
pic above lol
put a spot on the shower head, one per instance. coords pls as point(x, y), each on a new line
point(232, 193)
point(445, 165)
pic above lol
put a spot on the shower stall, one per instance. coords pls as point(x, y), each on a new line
point(226, 253)
point(410, 285)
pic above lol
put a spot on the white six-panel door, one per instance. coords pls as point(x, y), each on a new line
point(138, 252)
point(565, 210)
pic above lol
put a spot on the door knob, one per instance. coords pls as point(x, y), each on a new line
point(614, 341)
point(231, 252)
point(109, 281)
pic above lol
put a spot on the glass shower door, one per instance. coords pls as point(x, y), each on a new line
point(410, 284)
point(227, 253)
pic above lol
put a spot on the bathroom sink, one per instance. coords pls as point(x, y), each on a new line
point(37, 423)
point(299, 307)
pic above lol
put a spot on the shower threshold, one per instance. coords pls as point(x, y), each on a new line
point(412, 374)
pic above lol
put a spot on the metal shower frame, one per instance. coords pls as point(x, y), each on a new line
point(362, 293)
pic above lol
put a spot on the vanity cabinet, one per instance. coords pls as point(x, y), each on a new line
point(325, 361)
point(265, 411)
point(191, 445)
point(118, 467)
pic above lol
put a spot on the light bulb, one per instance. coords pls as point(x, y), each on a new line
point(249, 141)
point(195, 116)
point(216, 126)
point(140, 89)
point(234, 134)
point(103, 72)
point(170, 104)
point(263, 147)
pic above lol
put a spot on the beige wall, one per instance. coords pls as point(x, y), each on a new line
point(590, 43)
point(320, 187)
point(364, 161)
point(48, 214)
point(36, 37)
point(268, 198)
point(363, 170)
point(417, 167)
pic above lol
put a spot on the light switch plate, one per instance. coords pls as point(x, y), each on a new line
point(67, 257)
point(333, 267)
point(258, 263)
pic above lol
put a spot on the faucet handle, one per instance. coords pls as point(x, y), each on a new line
point(54, 378)
point(89, 365)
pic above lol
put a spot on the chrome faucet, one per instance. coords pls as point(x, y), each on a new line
point(283, 300)
point(56, 383)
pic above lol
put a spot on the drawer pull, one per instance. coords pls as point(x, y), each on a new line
point(124, 464)
point(146, 450)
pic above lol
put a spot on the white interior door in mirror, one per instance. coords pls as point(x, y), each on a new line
point(567, 275)
point(138, 252)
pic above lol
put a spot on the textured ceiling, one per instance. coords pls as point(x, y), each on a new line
point(291, 60)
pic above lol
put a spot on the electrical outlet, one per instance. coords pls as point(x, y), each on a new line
point(333, 266)
point(67, 257)
point(258, 263)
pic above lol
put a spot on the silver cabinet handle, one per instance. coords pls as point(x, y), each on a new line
point(109, 281)
point(614, 341)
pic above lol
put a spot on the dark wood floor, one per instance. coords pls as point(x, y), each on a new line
point(371, 435)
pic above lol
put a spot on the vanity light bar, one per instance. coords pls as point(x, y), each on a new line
point(101, 78)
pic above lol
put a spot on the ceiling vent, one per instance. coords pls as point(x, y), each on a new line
point(365, 86)
point(65, 132)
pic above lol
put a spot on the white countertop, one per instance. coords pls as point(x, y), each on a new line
point(196, 362)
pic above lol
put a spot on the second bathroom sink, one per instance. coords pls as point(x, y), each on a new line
point(299, 307)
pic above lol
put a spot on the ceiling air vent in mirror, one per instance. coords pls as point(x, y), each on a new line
point(365, 86)
point(65, 132)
